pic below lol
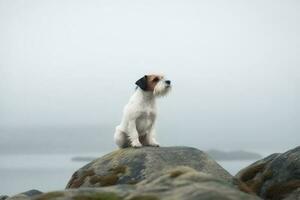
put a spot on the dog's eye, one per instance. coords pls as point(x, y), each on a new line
point(155, 79)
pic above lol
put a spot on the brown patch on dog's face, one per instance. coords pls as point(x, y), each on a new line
point(152, 80)
point(148, 82)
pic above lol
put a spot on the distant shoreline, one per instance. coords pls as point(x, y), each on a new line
point(219, 155)
point(233, 155)
point(82, 158)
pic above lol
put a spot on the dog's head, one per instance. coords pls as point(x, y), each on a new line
point(156, 84)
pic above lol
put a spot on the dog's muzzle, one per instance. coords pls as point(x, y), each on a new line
point(168, 83)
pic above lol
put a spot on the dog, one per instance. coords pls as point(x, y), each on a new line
point(137, 125)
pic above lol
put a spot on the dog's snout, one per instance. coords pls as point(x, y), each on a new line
point(168, 82)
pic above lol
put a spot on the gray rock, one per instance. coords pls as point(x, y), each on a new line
point(28, 195)
point(31, 193)
point(3, 197)
point(182, 183)
point(132, 165)
point(295, 195)
point(274, 177)
point(19, 197)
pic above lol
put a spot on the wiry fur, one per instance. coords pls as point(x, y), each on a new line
point(137, 125)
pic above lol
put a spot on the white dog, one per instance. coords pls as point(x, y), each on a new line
point(137, 125)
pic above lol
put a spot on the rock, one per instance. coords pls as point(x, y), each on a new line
point(295, 195)
point(3, 197)
point(31, 193)
point(28, 195)
point(182, 183)
point(188, 184)
point(274, 177)
point(132, 165)
point(19, 197)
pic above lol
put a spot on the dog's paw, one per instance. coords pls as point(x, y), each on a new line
point(136, 144)
point(154, 145)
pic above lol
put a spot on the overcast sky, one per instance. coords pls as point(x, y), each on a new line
point(234, 65)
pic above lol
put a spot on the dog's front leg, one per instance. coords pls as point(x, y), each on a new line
point(150, 138)
point(133, 134)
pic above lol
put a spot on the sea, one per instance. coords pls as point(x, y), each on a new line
point(49, 172)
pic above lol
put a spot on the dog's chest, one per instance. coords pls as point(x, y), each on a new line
point(145, 121)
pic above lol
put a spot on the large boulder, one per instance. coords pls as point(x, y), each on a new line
point(132, 165)
point(274, 177)
point(182, 183)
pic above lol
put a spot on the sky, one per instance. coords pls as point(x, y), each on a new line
point(234, 66)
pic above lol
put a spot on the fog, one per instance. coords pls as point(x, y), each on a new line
point(67, 68)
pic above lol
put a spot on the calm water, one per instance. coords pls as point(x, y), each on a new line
point(20, 173)
point(43, 172)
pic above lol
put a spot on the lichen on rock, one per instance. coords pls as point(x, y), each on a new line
point(274, 177)
point(130, 166)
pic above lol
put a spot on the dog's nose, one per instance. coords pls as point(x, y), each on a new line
point(168, 82)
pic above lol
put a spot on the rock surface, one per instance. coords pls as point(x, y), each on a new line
point(3, 197)
point(28, 195)
point(274, 177)
point(182, 183)
point(131, 165)
point(295, 195)
point(183, 173)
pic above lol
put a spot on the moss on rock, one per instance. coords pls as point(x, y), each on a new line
point(104, 180)
point(176, 173)
point(109, 179)
point(78, 178)
point(280, 190)
point(50, 195)
point(97, 196)
point(144, 197)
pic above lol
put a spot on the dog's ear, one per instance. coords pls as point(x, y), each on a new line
point(142, 83)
